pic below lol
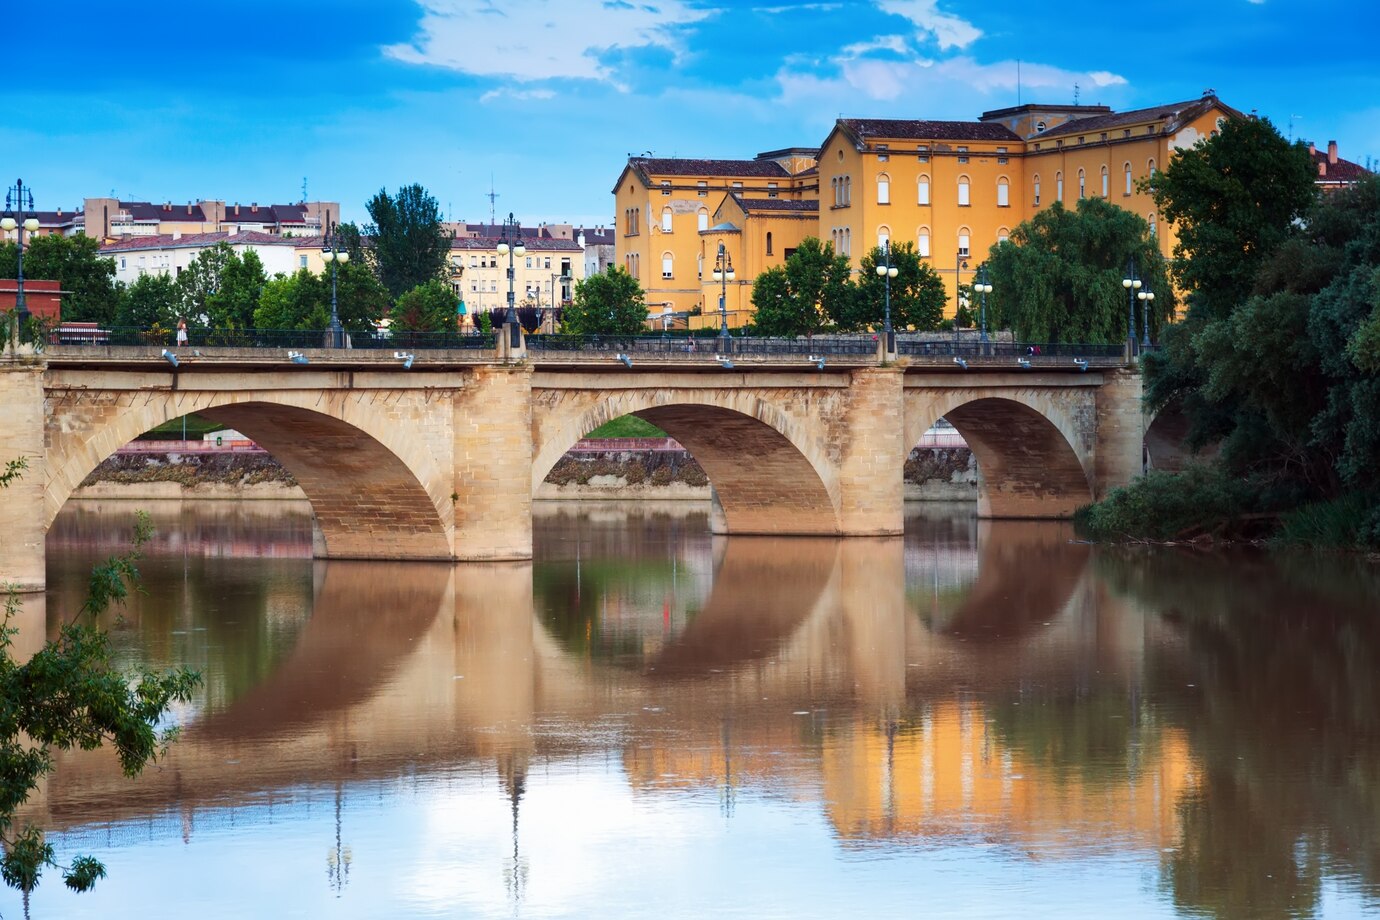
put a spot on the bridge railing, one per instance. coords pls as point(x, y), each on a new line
point(703, 345)
point(969, 349)
point(91, 334)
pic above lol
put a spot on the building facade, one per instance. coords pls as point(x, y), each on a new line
point(544, 277)
point(112, 219)
point(170, 253)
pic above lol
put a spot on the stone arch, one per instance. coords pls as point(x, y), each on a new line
point(768, 476)
point(371, 485)
point(1031, 461)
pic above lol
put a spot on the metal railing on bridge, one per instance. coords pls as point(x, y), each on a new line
point(863, 345)
point(92, 334)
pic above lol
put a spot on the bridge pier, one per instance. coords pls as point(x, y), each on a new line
point(492, 465)
point(871, 471)
point(21, 505)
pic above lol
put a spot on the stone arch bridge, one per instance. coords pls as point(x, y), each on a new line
point(439, 461)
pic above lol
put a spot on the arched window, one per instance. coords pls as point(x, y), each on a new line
point(965, 239)
point(834, 187)
point(923, 190)
point(668, 265)
point(699, 266)
point(1151, 168)
point(1037, 190)
point(883, 189)
point(665, 220)
point(1003, 235)
point(702, 220)
point(848, 241)
point(1082, 184)
point(1154, 228)
point(1128, 178)
point(883, 236)
point(1105, 189)
point(1059, 186)
point(847, 190)
point(922, 242)
point(1003, 193)
point(768, 243)
point(963, 197)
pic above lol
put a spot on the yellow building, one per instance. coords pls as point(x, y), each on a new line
point(673, 215)
point(544, 276)
point(952, 188)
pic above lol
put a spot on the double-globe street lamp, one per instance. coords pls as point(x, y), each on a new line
point(983, 287)
point(1132, 283)
point(19, 199)
point(1147, 303)
point(723, 273)
point(886, 271)
point(510, 245)
point(335, 254)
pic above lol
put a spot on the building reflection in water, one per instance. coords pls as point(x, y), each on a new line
point(975, 682)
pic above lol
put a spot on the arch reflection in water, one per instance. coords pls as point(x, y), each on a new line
point(973, 682)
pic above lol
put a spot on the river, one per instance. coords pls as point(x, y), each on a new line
point(983, 719)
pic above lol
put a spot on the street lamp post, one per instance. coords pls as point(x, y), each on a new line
point(510, 245)
point(556, 298)
point(983, 288)
point(1147, 302)
point(959, 265)
point(1132, 284)
point(20, 199)
point(334, 253)
point(723, 273)
point(886, 271)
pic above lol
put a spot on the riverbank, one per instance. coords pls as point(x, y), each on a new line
point(618, 473)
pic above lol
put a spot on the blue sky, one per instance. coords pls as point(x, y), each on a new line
point(240, 101)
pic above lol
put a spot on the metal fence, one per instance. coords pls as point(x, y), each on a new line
point(91, 334)
point(704, 345)
point(1014, 350)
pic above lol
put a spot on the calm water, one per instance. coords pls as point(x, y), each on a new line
point(980, 720)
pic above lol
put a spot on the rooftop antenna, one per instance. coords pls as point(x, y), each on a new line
point(1075, 94)
point(1018, 82)
point(1292, 119)
point(304, 190)
point(492, 196)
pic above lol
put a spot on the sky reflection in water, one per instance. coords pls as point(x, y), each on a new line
point(980, 720)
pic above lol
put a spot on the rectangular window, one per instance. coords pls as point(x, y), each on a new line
point(665, 187)
point(702, 189)
point(1001, 161)
point(883, 191)
point(666, 265)
point(738, 185)
point(923, 245)
point(301, 261)
point(883, 157)
point(963, 200)
point(529, 261)
point(771, 189)
point(1003, 195)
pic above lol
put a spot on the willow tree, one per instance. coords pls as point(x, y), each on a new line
point(1059, 277)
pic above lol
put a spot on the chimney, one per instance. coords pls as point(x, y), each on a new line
point(59, 212)
point(1312, 149)
point(254, 207)
point(1332, 152)
point(167, 206)
point(189, 209)
point(237, 209)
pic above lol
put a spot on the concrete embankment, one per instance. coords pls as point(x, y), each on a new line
point(618, 470)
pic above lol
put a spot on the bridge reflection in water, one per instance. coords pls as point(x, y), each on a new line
point(977, 682)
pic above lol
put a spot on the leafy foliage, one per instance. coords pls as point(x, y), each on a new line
point(152, 302)
point(303, 300)
point(69, 696)
point(406, 245)
point(1058, 279)
point(607, 303)
point(428, 307)
point(917, 293)
point(76, 262)
point(1162, 505)
point(220, 288)
point(800, 297)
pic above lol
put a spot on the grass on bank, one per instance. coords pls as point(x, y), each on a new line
point(627, 426)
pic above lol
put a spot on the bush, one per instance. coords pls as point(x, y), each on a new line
point(1163, 506)
point(1349, 522)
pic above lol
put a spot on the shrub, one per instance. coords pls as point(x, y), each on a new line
point(1162, 506)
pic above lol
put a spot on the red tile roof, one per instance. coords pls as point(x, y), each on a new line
point(748, 169)
point(1342, 172)
point(201, 240)
point(865, 129)
point(1170, 112)
point(533, 244)
point(777, 204)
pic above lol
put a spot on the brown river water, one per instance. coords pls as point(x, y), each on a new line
point(983, 719)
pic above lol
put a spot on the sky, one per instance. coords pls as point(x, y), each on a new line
point(542, 101)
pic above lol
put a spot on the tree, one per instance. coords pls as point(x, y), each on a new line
point(917, 292)
point(607, 303)
point(1058, 279)
point(427, 307)
point(1234, 198)
point(221, 288)
point(799, 297)
point(151, 303)
point(66, 696)
point(76, 262)
point(303, 300)
point(407, 246)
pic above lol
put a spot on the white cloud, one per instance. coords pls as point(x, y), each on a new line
point(948, 30)
point(505, 92)
point(541, 39)
point(797, 8)
point(896, 43)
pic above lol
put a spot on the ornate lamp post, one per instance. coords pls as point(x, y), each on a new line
point(886, 271)
point(510, 245)
point(1132, 284)
point(983, 288)
point(723, 273)
point(334, 253)
point(18, 198)
point(1147, 302)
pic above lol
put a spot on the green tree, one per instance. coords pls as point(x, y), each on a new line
point(221, 288)
point(76, 262)
point(801, 296)
point(303, 300)
point(1058, 279)
point(151, 303)
point(68, 695)
point(607, 303)
point(1233, 198)
point(917, 292)
point(428, 307)
point(406, 245)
